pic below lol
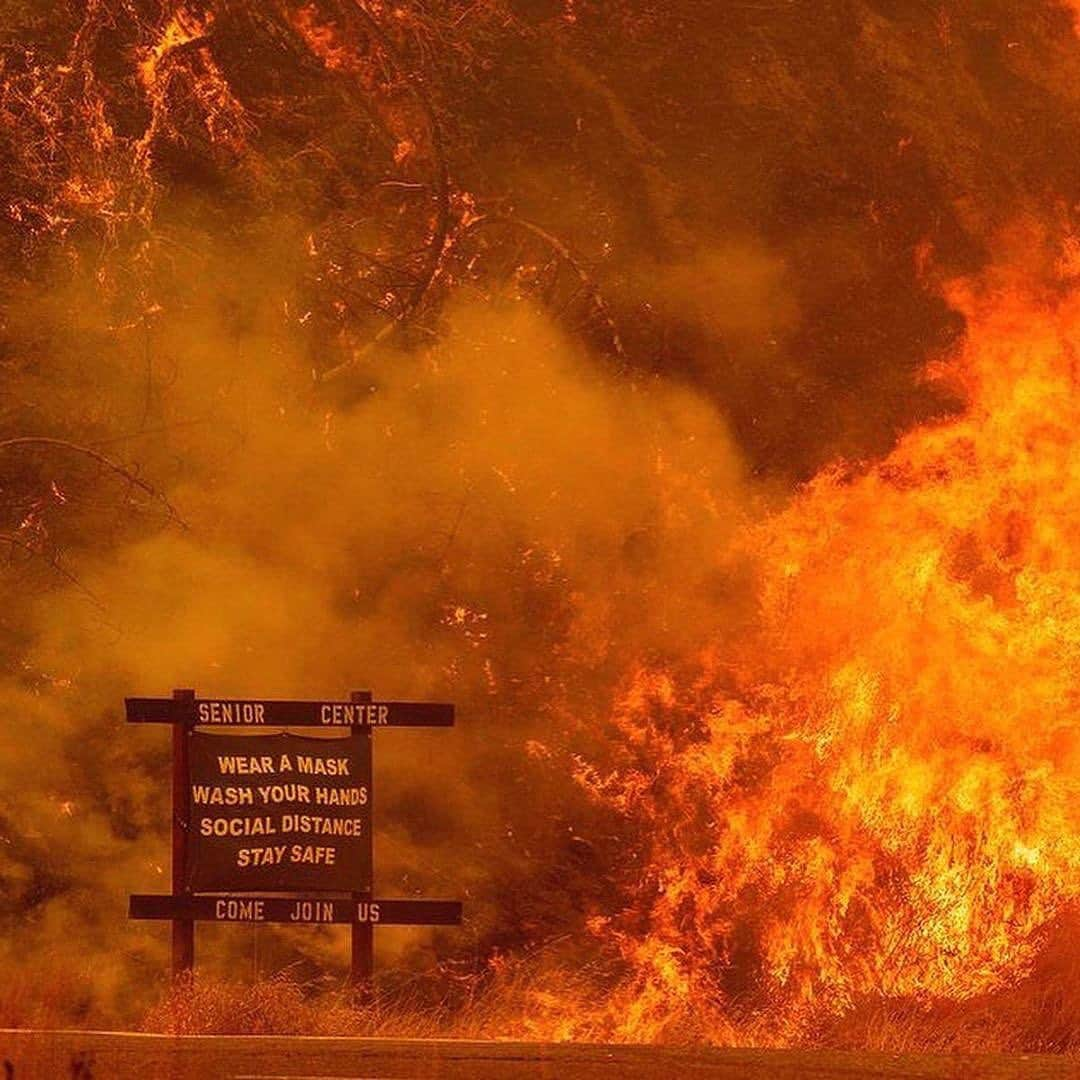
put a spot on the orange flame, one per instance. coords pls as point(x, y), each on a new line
point(879, 794)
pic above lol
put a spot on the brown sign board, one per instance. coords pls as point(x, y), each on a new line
point(297, 909)
point(279, 813)
point(245, 712)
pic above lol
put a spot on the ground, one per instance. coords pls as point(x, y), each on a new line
point(113, 1056)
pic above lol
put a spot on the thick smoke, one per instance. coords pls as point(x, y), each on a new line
point(499, 522)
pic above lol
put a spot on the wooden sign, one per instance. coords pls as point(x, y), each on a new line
point(278, 813)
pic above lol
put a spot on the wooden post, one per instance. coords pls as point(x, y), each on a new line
point(362, 965)
point(183, 930)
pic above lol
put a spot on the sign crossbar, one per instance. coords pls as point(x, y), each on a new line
point(251, 712)
point(229, 907)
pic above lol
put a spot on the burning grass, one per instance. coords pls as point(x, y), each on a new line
point(541, 999)
point(1040, 1015)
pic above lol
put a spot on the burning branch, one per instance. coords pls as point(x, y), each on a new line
point(441, 226)
point(14, 542)
point(579, 304)
point(44, 442)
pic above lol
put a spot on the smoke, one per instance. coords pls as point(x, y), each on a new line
point(498, 522)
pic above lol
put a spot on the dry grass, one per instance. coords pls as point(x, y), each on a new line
point(511, 1005)
point(541, 1001)
point(1041, 1014)
point(56, 994)
point(281, 1006)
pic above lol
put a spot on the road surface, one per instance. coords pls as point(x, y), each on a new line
point(60, 1055)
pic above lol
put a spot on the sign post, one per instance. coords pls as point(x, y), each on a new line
point(183, 930)
point(362, 934)
point(277, 826)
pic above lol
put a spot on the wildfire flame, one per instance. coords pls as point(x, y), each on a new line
point(878, 793)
